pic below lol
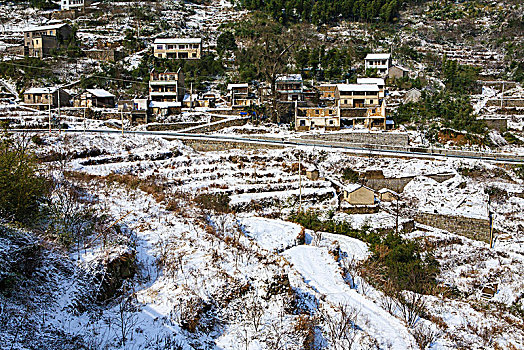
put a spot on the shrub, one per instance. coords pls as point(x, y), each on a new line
point(350, 175)
point(218, 202)
point(21, 187)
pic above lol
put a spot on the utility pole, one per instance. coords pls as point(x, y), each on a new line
point(300, 183)
point(396, 218)
point(122, 120)
point(58, 95)
point(502, 96)
point(49, 104)
point(490, 217)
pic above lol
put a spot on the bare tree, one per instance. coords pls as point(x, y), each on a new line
point(411, 306)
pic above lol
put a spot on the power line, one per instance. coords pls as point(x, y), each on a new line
point(92, 76)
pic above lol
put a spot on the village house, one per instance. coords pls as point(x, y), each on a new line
point(312, 173)
point(357, 194)
point(238, 95)
point(387, 195)
point(98, 98)
point(178, 48)
point(328, 94)
point(381, 62)
point(44, 98)
point(66, 5)
point(40, 41)
point(398, 72)
point(163, 109)
point(135, 109)
point(358, 95)
point(166, 86)
point(290, 88)
point(307, 118)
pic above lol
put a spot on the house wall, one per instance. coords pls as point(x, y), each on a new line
point(361, 196)
point(387, 197)
point(477, 229)
point(193, 52)
point(397, 73)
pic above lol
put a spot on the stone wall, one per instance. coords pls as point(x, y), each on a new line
point(499, 124)
point(506, 102)
point(371, 138)
point(170, 126)
point(213, 146)
point(477, 229)
point(226, 123)
point(398, 184)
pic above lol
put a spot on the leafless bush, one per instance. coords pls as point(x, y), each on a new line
point(340, 325)
point(424, 335)
point(254, 312)
point(411, 306)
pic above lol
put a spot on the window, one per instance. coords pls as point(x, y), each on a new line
point(194, 54)
point(302, 123)
point(159, 47)
point(330, 122)
point(170, 47)
point(371, 101)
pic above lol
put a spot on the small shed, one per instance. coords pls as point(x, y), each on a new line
point(312, 173)
point(398, 72)
point(94, 98)
point(387, 195)
point(165, 108)
point(357, 194)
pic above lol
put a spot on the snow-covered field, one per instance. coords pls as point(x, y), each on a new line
point(209, 280)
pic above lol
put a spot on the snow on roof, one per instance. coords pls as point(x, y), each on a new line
point(178, 41)
point(232, 86)
point(371, 81)
point(100, 93)
point(387, 190)
point(378, 56)
point(311, 167)
point(400, 67)
point(290, 77)
point(157, 104)
point(352, 187)
point(357, 87)
point(40, 90)
point(48, 27)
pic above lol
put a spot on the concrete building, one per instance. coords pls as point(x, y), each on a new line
point(307, 118)
point(44, 98)
point(166, 86)
point(94, 98)
point(238, 95)
point(163, 109)
point(358, 95)
point(328, 94)
point(290, 88)
point(40, 41)
point(181, 48)
point(66, 5)
point(381, 62)
point(356, 194)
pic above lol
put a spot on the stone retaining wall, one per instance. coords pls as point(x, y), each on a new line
point(398, 184)
point(374, 138)
point(213, 146)
point(477, 229)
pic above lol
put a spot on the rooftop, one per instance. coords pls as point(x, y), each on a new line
point(100, 93)
point(40, 90)
point(378, 56)
point(232, 86)
point(178, 41)
point(289, 77)
point(377, 81)
point(48, 27)
point(358, 87)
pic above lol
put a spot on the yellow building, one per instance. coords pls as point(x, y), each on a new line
point(181, 48)
point(358, 95)
point(357, 194)
point(307, 118)
point(40, 41)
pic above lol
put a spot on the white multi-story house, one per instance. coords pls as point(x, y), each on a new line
point(71, 4)
point(379, 61)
